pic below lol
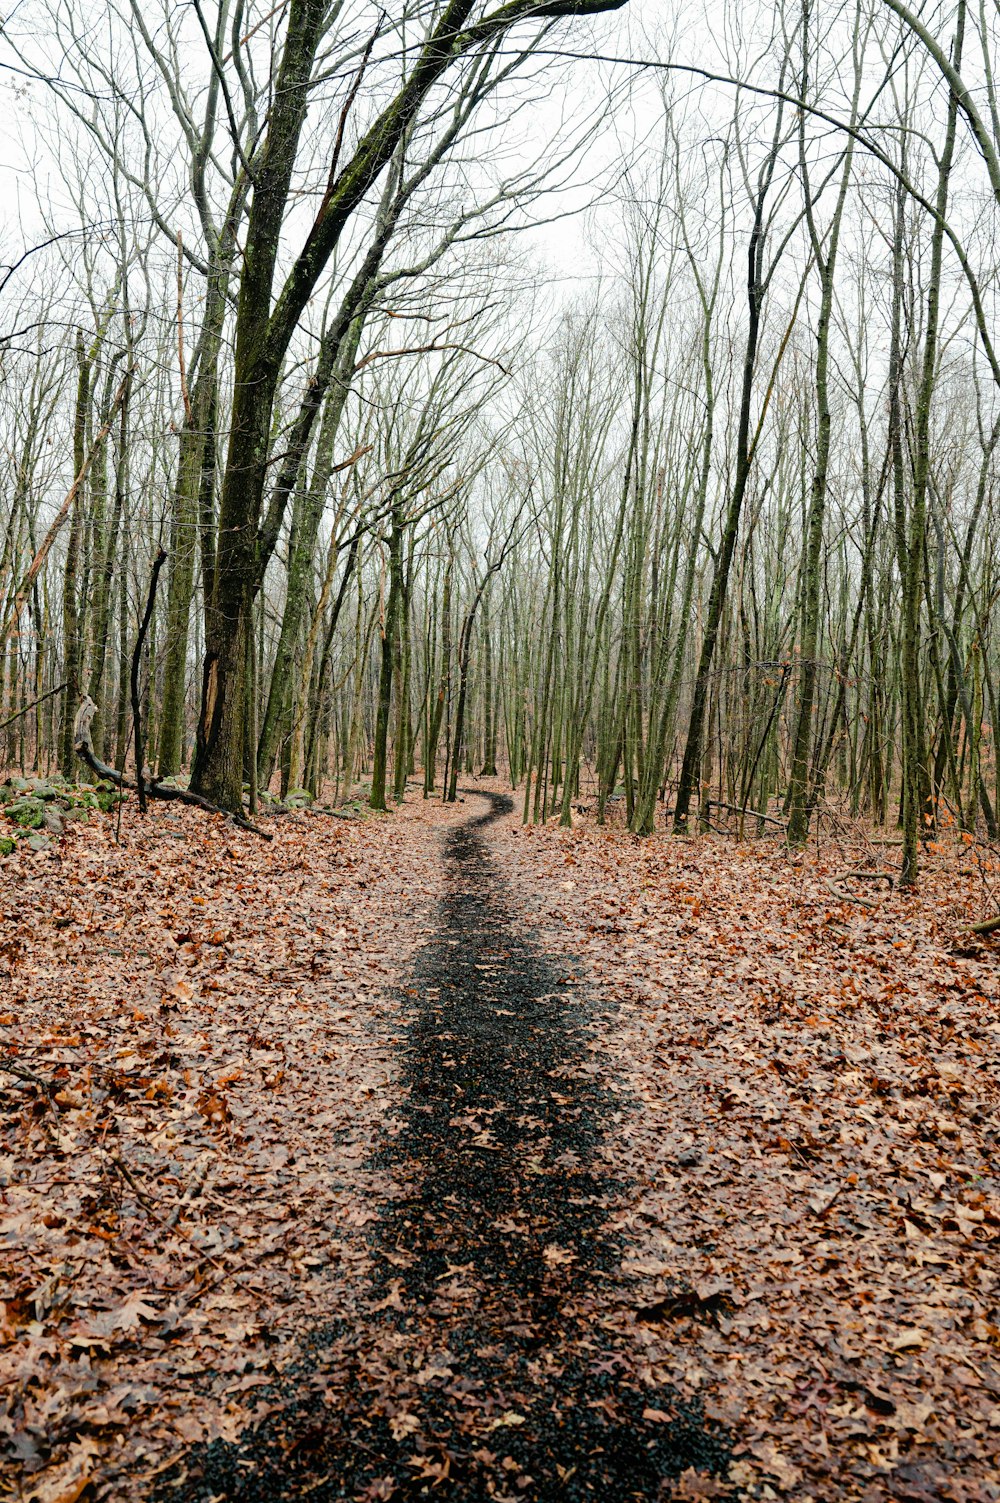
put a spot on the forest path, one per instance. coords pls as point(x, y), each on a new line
point(478, 1371)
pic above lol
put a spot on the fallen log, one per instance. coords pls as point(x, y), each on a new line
point(152, 787)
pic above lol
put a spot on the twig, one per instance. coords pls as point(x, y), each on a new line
point(165, 1466)
point(195, 1186)
point(153, 1213)
point(139, 1193)
point(260, 1018)
point(22, 1074)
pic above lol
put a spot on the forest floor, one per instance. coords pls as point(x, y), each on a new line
point(434, 1155)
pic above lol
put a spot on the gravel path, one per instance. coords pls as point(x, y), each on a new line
point(478, 1370)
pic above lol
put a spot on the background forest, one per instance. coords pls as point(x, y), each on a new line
point(688, 498)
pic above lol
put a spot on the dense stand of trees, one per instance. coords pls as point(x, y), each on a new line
point(720, 529)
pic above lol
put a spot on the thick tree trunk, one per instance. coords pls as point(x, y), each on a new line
point(916, 788)
point(195, 475)
point(263, 331)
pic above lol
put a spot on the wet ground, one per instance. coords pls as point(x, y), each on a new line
point(479, 1370)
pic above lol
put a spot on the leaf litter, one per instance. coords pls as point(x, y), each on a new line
point(788, 1251)
point(812, 1202)
point(214, 1025)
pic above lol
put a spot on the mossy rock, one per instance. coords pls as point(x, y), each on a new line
point(38, 841)
point(298, 798)
point(16, 788)
point(49, 788)
point(105, 796)
point(27, 813)
point(80, 798)
point(7, 845)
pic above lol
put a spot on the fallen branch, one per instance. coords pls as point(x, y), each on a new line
point(988, 926)
point(35, 567)
point(719, 803)
point(83, 746)
point(33, 705)
point(864, 876)
point(847, 897)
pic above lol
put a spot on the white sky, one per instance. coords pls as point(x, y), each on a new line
point(29, 170)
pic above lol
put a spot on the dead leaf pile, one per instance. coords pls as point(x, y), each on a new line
point(808, 1139)
point(197, 1038)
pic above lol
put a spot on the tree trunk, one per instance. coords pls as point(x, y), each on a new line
point(72, 640)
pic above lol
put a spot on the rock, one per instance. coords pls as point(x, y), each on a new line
point(26, 812)
point(45, 789)
point(689, 1159)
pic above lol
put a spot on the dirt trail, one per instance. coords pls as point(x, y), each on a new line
point(479, 1371)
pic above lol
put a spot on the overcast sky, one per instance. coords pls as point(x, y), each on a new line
point(28, 170)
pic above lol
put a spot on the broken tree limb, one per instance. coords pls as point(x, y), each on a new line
point(20, 1073)
point(34, 568)
point(33, 705)
point(988, 926)
point(83, 746)
point(718, 803)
